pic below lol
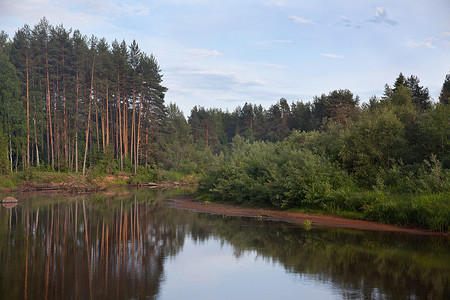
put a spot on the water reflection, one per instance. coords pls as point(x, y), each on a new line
point(116, 247)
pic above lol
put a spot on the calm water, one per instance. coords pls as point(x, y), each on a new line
point(137, 247)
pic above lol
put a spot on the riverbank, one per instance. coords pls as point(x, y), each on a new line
point(76, 184)
point(190, 203)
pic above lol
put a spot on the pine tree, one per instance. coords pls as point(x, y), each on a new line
point(444, 97)
point(20, 56)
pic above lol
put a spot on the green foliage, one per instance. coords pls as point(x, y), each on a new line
point(444, 97)
point(339, 106)
point(11, 181)
point(280, 175)
point(181, 154)
point(439, 131)
point(11, 109)
point(436, 179)
point(29, 174)
point(431, 211)
point(102, 162)
point(4, 161)
point(356, 172)
point(373, 143)
point(146, 174)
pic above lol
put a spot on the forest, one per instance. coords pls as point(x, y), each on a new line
point(76, 104)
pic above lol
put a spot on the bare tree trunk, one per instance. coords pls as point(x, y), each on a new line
point(96, 123)
point(10, 153)
point(50, 127)
point(125, 125)
point(120, 122)
point(133, 120)
point(136, 156)
point(55, 115)
point(48, 144)
point(36, 141)
point(89, 116)
point(76, 127)
point(65, 134)
point(107, 114)
point(102, 120)
point(28, 114)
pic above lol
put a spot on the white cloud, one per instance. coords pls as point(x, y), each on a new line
point(380, 12)
point(118, 8)
point(301, 20)
point(270, 65)
point(277, 3)
point(282, 41)
point(80, 14)
point(428, 42)
point(332, 55)
point(207, 72)
point(344, 18)
point(218, 79)
point(203, 53)
point(272, 43)
point(381, 17)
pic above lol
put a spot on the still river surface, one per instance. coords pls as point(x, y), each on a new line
point(136, 246)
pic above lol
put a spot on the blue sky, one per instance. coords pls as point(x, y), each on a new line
point(224, 53)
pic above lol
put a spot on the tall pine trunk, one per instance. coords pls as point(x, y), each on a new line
point(89, 116)
point(133, 120)
point(76, 126)
point(96, 123)
point(107, 114)
point(103, 121)
point(28, 112)
point(50, 127)
point(36, 141)
point(120, 121)
point(136, 156)
point(125, 124)
point(65, 134)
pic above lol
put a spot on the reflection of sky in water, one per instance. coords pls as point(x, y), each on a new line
point(209, 270)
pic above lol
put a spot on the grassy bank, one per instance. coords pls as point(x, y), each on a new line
point(34, 179)
point(428, 211)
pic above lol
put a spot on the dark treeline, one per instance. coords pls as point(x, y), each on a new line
point(68, 100)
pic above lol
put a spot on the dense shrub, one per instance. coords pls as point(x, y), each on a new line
point(279, 175)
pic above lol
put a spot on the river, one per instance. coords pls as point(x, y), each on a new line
point(134, 245)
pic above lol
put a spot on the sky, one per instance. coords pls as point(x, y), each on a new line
point(222, 54)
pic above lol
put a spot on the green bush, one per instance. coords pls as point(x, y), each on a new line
point(279, 175)
point(145, 174)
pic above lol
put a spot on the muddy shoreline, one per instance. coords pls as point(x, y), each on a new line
point(190, 203)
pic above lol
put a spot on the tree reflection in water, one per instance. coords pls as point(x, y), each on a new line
point(115, 247)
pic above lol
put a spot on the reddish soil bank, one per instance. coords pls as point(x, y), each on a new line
point(188, 202)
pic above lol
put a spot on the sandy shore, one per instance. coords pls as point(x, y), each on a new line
point(188, 202)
